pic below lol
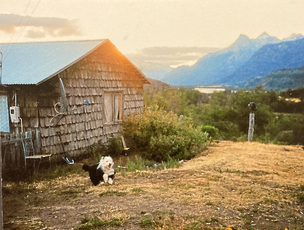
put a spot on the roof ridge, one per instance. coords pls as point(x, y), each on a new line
point(31, 42)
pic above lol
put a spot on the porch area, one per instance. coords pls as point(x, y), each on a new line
point(18, 151)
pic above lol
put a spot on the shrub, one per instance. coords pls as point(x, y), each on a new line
point(114, 147)
point(298, 132)
point(211, 130)
point(171, 163)
point(90, 223)
point(285, 136)
point(161, 135)
point(137, 164)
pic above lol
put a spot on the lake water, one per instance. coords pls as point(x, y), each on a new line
point(209, 89)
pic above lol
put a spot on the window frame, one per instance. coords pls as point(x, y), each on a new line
point(115, 118)
point(5, 117)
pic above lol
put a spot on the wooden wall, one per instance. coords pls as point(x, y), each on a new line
point(105, 69)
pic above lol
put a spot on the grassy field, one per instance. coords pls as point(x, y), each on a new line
point(228, 186)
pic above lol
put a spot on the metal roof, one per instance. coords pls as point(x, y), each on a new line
point(33, 63)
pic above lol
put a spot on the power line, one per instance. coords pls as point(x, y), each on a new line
point(23, 28)
point(17, 27)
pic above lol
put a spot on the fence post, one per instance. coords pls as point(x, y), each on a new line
point(251, 126)
point(38, 141)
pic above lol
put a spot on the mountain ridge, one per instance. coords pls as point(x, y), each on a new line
point(279, 80)
point(216, 66)
point(271, 57)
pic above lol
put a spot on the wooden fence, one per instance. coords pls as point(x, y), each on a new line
point(13, 159)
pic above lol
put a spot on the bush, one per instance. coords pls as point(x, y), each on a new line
point(161, 135)
point(285, 136)
point(211, 130)
point(96, 150)
point(114, 147)
point(298, 132)
point(137, 164)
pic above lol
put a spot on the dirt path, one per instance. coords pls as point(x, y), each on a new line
point(236, 185)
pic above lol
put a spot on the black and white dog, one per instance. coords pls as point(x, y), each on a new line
point(102, 172)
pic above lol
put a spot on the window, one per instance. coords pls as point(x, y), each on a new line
point(4, 117)
point(113, 106)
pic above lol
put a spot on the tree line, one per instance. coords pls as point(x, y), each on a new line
point(279, 118)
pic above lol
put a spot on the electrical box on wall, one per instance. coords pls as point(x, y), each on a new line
point(15, 114)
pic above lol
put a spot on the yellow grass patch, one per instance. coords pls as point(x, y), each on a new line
point(229, 186)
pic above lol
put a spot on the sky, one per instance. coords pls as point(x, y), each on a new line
point(193, 27)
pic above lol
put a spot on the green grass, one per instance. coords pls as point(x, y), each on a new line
point(241, 173)
point(194, 225)
point(214, 219)
point(111, 192)
point(69, 193)
point(137, 190)
point(88, 224)
point(190, 216)
point(115, 222)
point(269, 201)
point(140, 164)
point(170, 163)
point(137, 165)
point(185, 186)
point(209, 203)
point(97, 223)
point(148, 221)
point(300, 198)
point(54, 172)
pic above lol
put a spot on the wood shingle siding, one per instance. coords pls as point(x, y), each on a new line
point(105, 70)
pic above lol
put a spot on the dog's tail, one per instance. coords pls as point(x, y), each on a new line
point(86, 167)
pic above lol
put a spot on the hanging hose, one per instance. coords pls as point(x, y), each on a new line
point(21, 124)
point(66, 158)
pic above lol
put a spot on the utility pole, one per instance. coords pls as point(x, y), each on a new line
point(251, 126)
point(252, 107)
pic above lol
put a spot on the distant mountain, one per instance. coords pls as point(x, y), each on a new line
point(279, 80)
point(157, 72)
point(293, 37)
point(215, 67)
point(271, 57)
point(156, 62)
point(155, 86)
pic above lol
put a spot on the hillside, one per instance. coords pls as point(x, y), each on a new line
point(272, 57)
point(236, 185)
point(155, 85)
point(156, 62)
point(245, 59)
point(215, 67)
point(279, 80)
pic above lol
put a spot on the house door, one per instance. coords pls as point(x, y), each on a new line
point(4, 116)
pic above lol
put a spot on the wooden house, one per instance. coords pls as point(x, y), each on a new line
point(102, 87)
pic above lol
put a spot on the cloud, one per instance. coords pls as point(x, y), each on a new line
point(39, 27)
point(177, 50)
point(164, 57)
